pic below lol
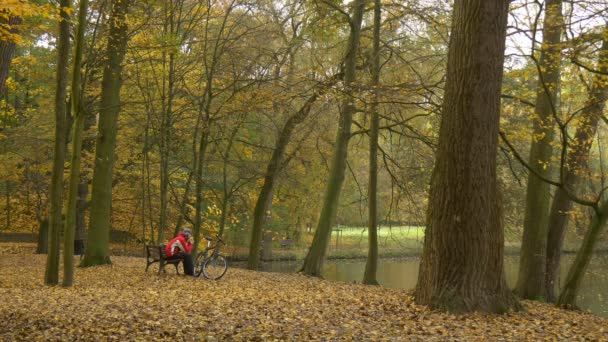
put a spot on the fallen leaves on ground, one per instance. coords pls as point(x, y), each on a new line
point(123, 303)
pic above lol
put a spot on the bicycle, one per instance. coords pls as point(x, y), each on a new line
point(212, 266)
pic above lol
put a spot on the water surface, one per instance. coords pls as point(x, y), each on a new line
point(403, 273)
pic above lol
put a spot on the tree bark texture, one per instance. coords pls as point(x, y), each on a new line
point(531, 279)
point(43, 237)
point(371, 266)
point(98, 247)
point(7, 49)
point(51, 276)
point(316, 254)
point(462, 268)
point(576, 160)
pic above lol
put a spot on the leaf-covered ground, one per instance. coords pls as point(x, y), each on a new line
point(121, 302)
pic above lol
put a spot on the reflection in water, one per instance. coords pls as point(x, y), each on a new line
point(402, 274)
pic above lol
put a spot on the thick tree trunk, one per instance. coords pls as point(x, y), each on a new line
point(567, 297)
point(530, 283)
point(70, 228)
point(7, 49)
point(316, 254)
point(98, 239)
point(51, 276)
point(371, 266)
point(462, 262)
point(575, 162)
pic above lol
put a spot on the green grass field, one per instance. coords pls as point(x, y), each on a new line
point(397, 232)
point(391, 240)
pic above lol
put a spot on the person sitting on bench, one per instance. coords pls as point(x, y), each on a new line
point(180, 247)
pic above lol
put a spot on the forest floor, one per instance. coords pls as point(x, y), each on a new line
point(122, 302)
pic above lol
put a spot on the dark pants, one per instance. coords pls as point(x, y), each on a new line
point(188, 263)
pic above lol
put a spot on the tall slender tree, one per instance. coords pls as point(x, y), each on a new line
point(576, 160)
point(275, 165)
point(316, 254)
point(371, 266)
point(530, 283)
point(462, 261)
point(98, 248)
point(51, 276)
point(78, 127)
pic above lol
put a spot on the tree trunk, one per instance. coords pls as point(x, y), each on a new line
point(43, 237)
point(70, 228)
point(81, 207)
point(575, 162)
point(461, 268)
point(98, 246)
point(272, 171)
point(531, 279)
point(165, 138)
point(7, 194)
point(567, 297)
point(7, 49)
point(51, 276)
point(316, 254)
point(371, 266)
point(200, 157)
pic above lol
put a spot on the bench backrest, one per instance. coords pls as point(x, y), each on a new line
point(155, 251)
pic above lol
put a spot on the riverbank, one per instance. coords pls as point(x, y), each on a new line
point(122, 302)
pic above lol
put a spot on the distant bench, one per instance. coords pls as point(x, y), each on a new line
point(156, 253)
point(286, 243)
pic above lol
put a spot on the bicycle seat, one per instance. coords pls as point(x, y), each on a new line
point(208, 238)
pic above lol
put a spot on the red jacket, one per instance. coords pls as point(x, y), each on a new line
point(179, 243)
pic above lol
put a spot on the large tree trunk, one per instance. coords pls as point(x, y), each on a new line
point(567, 297)
point(316, 254)
point(98, 239)
point(530, 283)
point(7, 49)
point(371, 266)
point(575, 162)
point(71, 215)
point(51, 276)
point(462, 262)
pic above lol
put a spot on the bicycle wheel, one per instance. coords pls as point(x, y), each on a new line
point(198, 263)
point(215, 267)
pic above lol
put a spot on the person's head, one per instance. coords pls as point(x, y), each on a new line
point(187, 233)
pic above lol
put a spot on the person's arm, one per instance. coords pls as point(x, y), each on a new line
point(189, 245)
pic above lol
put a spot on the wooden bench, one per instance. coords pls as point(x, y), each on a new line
point(156, 253)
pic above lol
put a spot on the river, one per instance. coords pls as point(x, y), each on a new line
point(402, 274)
